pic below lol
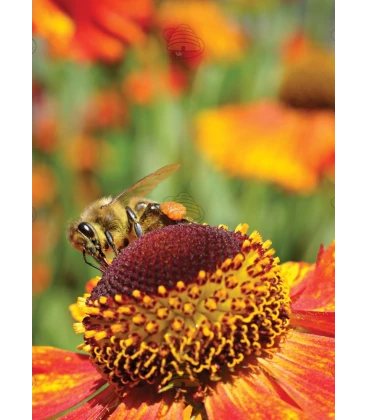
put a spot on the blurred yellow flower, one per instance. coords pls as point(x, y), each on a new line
point(269, 142)
point(223, 38)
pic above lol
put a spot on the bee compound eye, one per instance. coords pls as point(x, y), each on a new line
point(86, 229)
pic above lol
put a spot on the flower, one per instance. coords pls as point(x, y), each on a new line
point(143, 87)
point(106, 110)
point(44, 185)
point(45, 130)
point(309, 75)
point(223, 39)
point(196, 320)
point(41, 277)
point(83, 152)
point(271, 142)
point(90, 29)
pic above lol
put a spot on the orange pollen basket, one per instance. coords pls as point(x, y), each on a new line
point(184, 306)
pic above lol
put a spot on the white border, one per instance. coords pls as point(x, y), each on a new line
point(15, 208)
point(351, 207)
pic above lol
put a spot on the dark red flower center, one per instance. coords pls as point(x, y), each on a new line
point(165, 256)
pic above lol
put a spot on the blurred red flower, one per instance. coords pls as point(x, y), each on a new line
point(92, 29)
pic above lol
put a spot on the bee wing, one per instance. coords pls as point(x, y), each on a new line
point(144, 186)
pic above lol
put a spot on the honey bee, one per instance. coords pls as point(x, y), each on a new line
point(111, 224)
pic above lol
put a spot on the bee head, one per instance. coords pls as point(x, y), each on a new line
point(92, 244)
point(83, 236)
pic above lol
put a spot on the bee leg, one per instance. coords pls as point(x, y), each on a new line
point(92, 265)
point(132, 217)
point(110, 240)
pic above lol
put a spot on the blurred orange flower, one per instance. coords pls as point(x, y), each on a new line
point(44, 236)
point(145, 86)
point(222, 38)
point(44, 185)
point(41, 277)
point(51, 23)
point(309, 74)
point(269, 142)
point(82, 152)
point(106, 109)
point(92, 29)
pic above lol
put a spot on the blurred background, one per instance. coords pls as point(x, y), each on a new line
point(241, 93)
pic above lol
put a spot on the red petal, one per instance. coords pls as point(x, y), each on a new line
point(249, 397)
point(144, 404)
point(319, 295)
point(97, 407)
point(305, 369)
point(315, 322)
point(60, 379)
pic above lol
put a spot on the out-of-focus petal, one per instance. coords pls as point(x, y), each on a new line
point(250, 396)
point(319, 294)
point(305, 368)
point(61, 379)
point(314, 321)
point(223, 38)
point(50, 22)
point(187, 413)
point(269, 142)
point(41, 277)
point(44, 185)
point(151, 407)
point(103, 30)
point(93, 283)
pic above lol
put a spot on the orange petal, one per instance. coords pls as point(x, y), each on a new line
point(60, 379)
point(92, 283)
point(96, 408)
point(249, 397)
point(294, 274)
point(314, 321)
point(144, 404)
point(319, 295)
point(305, 368)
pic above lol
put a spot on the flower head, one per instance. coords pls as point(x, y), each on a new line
point(198, 317)
point(158, 314)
